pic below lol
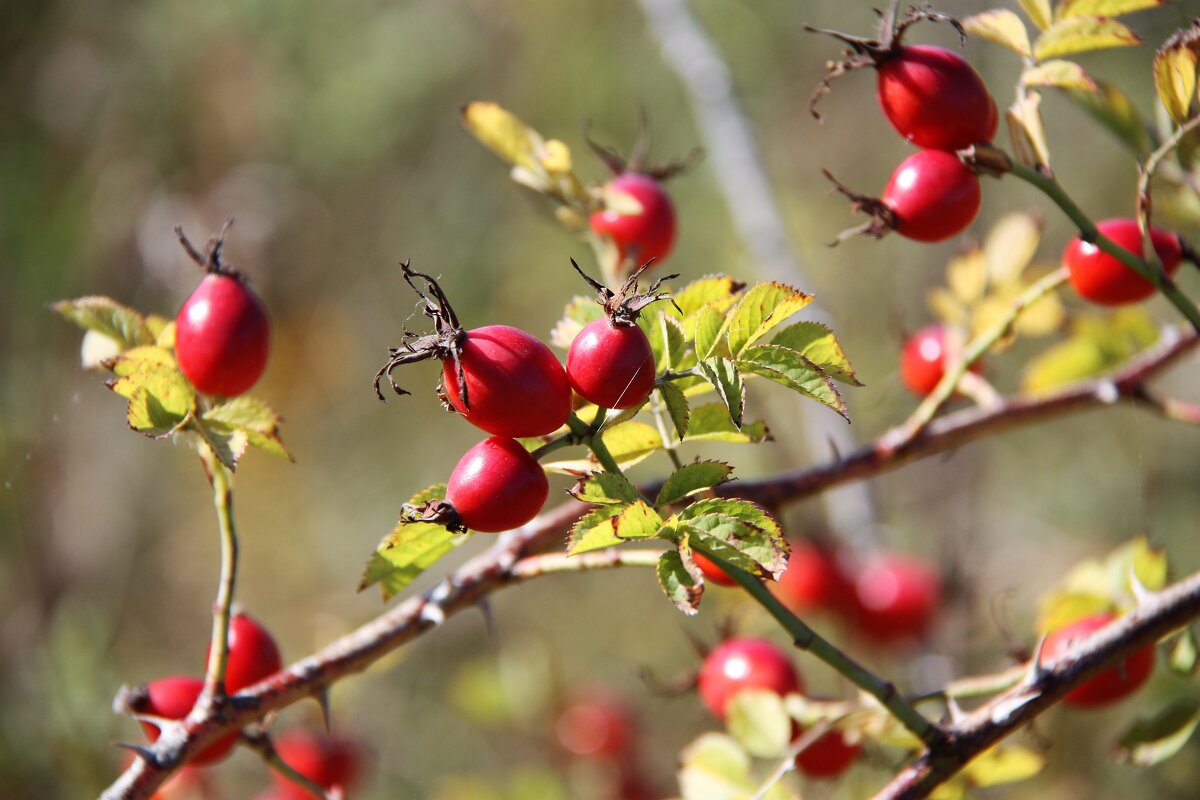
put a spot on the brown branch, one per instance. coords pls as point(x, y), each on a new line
point(1157, 616)
point(496, 567)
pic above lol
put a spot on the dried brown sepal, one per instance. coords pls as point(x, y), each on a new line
point(986, 160)
point(209, 259)
point(436, 512)
point(864, 52)
point(882, 220)
point(624, 305)
point(637, 161)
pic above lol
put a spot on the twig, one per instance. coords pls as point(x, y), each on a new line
point(218, 654)
point(261, 743)
point(1146, 171)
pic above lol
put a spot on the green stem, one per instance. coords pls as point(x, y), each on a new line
point(557, 443)
point(595, 443)
point(1145, 175)
point(806, 638)
point(218, 655)
point(977, 686)
point(1088, 232)
point(656, 406)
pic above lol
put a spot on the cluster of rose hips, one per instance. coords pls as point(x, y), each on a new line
point(508, 383)
point(597, 726)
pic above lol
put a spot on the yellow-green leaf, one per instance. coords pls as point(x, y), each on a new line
point(595, 530)
point(723, 375)
point(410, 549)
point(604, 489)
point(1007, 763)
point(711, 423)
point(259, 422)
point(504, 134)
point(1081, 34)
point(1001, 26)
point(1060, 73)
point(1103, 8)
point(817, 343)
point(1113, 109)
point(108, 317)
point(692, 478)
point(1154, 740)
point(637, 521)
point(1098, 344)
point(759, 721)
point(1062, 608)
point(1010, 246)
point(1039, 12)
point(681, 587)
point(760, 310)
point(709, 289)
point(677, 407)
point(707, 325)
point(1175, 72)
point(1027, 133)
point(789, 368)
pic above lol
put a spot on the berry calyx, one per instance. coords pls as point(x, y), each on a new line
point(1103, 279)
point(829, 756)
point(1110, 685)
point(648, 234)
point(935, 99)
point(896, 598)
point(814, 579)
point(610, 362)
point(253, 653)
point(745, 663)
point(173, 698)
point(925, 356)
point(222, 334)
point(496, 486)
point(328, 762)
point(499, 378)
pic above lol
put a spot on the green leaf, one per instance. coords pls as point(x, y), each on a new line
point(148, 414)
point(789, 368)
point(1175, 72)
point(227, 446)
point(629, 442)
point(160, 398)
point(1001, 764)
point(1039, 12)
point(1183, 656)
point(577, 314)
point(705, 291)
point(760, 310)
point(711, 423)
point(723, 376)
point(1152, 741)
point(637, 521)
point(817, 343)
point(696, 537)
point(1027, 132)
point(681, 587)
point(410, 549)
point(692, 478)
point(1113, 109)
point(1098, 344)
point(714, 767)
point(1095, 585)
point(1062, 608)
point(1147, 563)
point(254, 418)
point(763, 541)
point(1060, 73)
point(107, 317)
point(666, 340)
point(1103, 8)
point(759, 721)
point(1001, 26)
point(504, 134)
point(605, 488)
point(707, 331)
point(595, 530)
point(1010, 245)
point(1081, 34)
point(677, 407)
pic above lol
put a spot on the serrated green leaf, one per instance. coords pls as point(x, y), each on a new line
point(711, 423)
point(1175, 72)
point(760, 723)
point(637, 521)
point(762, 539)
point(717, 547)
point(1039, 12)
point(714, 767)
point(1060, 73)
point(677, 407)
point(106, 316)
point(140, 359)
point(409, 550)
point(605, 488)
point(665, 334)
point(160, 398)
point(723, 376)
point(707, 331)
point(1151, 741)
point(595, 530)
point(761, 309)
point(1001, 764)
point(256, 418)
point(1027, 132)
point(789, 368)
point(629, 442)
point(227, 446)
point(1183, 656)
point(817, 343)
point(1103, 8)
point(1112, 108)
point(1082, 34)
point(147, 414)
point(692, 478)
point(1001, 26)
point(682, 588)
point(704, 291)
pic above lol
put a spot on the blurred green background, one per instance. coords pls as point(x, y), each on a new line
point(330, 131)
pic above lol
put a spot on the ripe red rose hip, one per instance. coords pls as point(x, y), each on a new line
point(935, 98)
point(253, 653)
point(1110, 685)
point(828, 757)
point(924, 357)
point(1103, 279)
point(497, 486)
point(745, 663)
point(712, 573)
point(327, 761)
point(814, 579)
point(896, 598)
point(611, 365)
point(933, 196)
point(222, 337)
point(644, 236)
point(598, 725)
point(173, 698)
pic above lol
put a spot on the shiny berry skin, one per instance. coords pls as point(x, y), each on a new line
point(595, 727)
point(828, 757)
point(923, 359)
point(222, 337)
point(173, 698)
point(328, 762)
point(253, 654)
point(515, 385)
point(896, 598)
point(497, 486)
point(639, 237)
point(935, 98)
point(712, 573)
point(933, 195)
point(1110, 685)
point(745, 663)
point(1103, 279)
point(814, 580)
point(611, 365)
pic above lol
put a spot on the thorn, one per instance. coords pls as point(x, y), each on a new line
point(489, 619)
point(146, 753)
point(833, 448)
point(1140, 592)
point(1037, 672)
point(954, 710)
point(322, 698)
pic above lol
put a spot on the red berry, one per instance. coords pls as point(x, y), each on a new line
point(934, 196)
point(596, 727)
point(173, 698)
point(828, 757)
point(497, 486)
point(515, 385)
point(745, 663)
point(253, 654)
point(1103, 279)
point(896, 598)
point(611, 365)
point(328, 762)
point(923, 359)
point(1110, 685)
point(936, 99)
point(712, 573)
point(222, 336)
point(814, 580)
point(639, 237)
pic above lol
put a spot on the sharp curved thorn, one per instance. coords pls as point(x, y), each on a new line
point(1036, 671)
point(489, 618)
point(146, 753)
point(322, 698)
